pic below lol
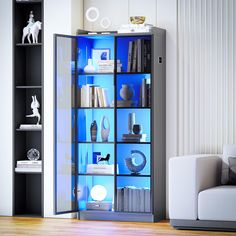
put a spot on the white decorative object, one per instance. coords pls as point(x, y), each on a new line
point(32, 29)
point(105, 22)
point(126, 92)
point(105, 131)
point(33, 154)
point(89, 68)
point(92, 14)
point(100, 169)
point(131, 122)
point(131, 164)
point(135, 28)
point(34, 106)
point(98, 193)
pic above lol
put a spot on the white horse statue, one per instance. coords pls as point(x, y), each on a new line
point(32, 30)
point(34, 106)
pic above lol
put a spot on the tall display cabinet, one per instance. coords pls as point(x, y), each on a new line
point(27, 84)
point(110, 126)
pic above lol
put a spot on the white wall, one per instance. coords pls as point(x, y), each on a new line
point(6, 147)
point(206, 100)
point(64, 18)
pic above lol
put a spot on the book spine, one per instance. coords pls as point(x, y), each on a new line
point(100, 99)
point(105, 97)
point(139, 56)
point(149, 59)
point(148, 95)
point(87, 96)
point(130, 52)
point(147, 200)
point(126, 199)
point(144, 93)
point(134, 62)
point(142, 200)
point(96, 97)
point(131, 192)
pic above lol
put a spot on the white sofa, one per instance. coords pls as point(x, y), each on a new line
point(197, 200)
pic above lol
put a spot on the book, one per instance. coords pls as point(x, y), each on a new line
point(147, 199)
point(144, 93)
point(134, 57)
point(139, 55)
point(29, 162)
point(105, 97)
point(118, 199)
point(100, 97)
point(126, 198)
point(29, 170)
point(29, 127)
point(142, 200)
point(130, 53)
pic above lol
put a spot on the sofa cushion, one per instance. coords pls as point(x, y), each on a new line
point(229, 150)
point(232, 170)
point(217, 203)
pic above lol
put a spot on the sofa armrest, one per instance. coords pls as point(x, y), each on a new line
point(188, 175)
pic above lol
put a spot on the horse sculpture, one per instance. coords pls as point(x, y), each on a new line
point(32, 30)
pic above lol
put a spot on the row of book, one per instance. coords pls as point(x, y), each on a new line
point(28, 166)
point(134, 137)
point(107, 66)
point(93, 96)
point(145, 93)
point(139, 56)
point(132, 199)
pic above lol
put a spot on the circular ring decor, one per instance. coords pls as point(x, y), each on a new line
point(105, 22)
point(92, 10)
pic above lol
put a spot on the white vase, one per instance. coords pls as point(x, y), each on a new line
point(126, 92)
point(89, 68)
point(105, 131)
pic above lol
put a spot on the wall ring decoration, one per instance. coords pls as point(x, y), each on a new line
point(90, 11)
point(105, 22)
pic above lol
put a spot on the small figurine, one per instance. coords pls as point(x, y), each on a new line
point(31, 29)
point(34, 106)
point(104, 158)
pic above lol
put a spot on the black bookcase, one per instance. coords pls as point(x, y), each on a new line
point(27, 82)
point(129, 196)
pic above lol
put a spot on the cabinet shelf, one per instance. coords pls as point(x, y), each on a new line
point(29, 87)
point(125, 142)
point(28, 2)
point(132, 73)
point(28, 44)
point(130, 175)
point(88, 142)
point(96, 108)
point(30, 130)
point(91, 74)
point(133, 108)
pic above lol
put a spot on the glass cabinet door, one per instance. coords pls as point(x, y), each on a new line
point(65, 161)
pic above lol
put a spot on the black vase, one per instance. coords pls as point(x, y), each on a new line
point(94, 131)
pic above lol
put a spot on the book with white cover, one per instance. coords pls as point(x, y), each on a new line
point(28, 170)
point(142, 200)
point(29, 127)
point(29, 162)
point(147, 200)
point(126, 198)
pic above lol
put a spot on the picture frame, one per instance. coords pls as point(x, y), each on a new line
point(100, 54)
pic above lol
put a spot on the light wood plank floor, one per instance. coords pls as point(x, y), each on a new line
point(70, 227)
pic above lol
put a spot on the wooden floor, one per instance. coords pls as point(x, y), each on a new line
point(70, 227)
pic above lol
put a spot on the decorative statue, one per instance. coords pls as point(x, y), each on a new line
point(33, 154)
point(105, 131)
point(34, 106)
point(93, 131)
point(104, 158)
point(132, 166)
point(31, 29)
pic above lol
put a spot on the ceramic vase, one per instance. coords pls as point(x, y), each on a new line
point(137, 129)
point(131, 122)
point(89, 68)
point(126, 92)
point(93, 131)
point(105, 131)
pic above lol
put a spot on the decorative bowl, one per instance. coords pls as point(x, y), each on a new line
point(137, 19)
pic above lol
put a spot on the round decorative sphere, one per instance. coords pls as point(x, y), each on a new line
point(98, 193)
point(33, 154)
point(126, 92)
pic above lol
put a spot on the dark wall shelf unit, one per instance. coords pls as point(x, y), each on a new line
point(84, 97)
point(27, 82)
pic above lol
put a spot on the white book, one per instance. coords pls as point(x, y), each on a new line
point(126, 198)
point(139, 55)
point(144, 93)
point(131, 192)
point(130, 52)
point(83, 95)
point(29, 162)
point(142, 200)
point(28, 170)
point(29, 126)
point(96, 97)
point(100, 97)
point(105, 97)
point(118, 199)
point(87, 95)
point(147, 200)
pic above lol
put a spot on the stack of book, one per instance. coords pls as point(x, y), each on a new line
point(139, 56)
point(30, 127)
point(93, 96)
point(145, 93)
point(29, 166)
point(133, 199)
point(107, 66)
point(134, 137)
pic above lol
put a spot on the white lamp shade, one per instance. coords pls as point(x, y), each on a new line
point(98, 193)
